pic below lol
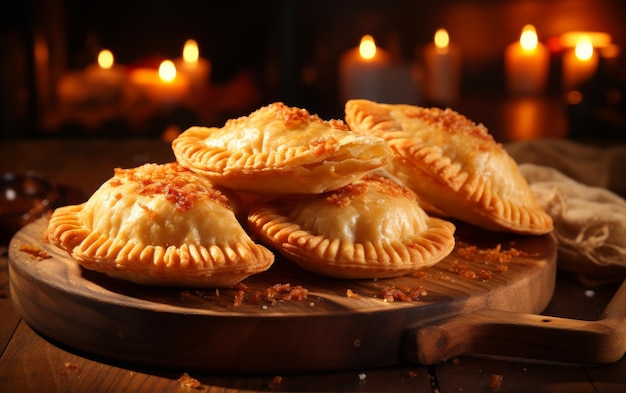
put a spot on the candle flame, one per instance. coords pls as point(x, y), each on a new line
point(528, 39)
point(584, 49)
point(367, 48)
point(167, 71)
point(191, 52)
point(105, 59)
point(442, 40)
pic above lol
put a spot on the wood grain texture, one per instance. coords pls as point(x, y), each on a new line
point(204, 329)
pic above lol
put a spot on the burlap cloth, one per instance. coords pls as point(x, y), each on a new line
point(582, 188)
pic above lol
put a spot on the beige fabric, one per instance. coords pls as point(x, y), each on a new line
point(582, 187)
point(590, 222)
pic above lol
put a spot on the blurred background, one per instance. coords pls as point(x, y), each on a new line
point(305, 53)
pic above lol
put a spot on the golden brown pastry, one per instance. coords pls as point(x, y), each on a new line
point(159, 225)
point(280, 150)
point(372, 228)
point(453, 164)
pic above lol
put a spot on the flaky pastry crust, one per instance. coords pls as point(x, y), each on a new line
point(453, 164)
point(280, 150)
point(372, 228)
point(159, 225)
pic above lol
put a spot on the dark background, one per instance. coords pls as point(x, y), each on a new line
point(288, 49)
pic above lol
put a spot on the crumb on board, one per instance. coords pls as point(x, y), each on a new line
point(421, 274)
point(393, 293)
point(70, 367)
point(352, 295)
point(188, 382)
point(239, 297)
point(496, 381)
point(466, 271)
point(273, 294)
point(493, 255)
point(243, 294)
point(277, 380)
point(35, 252)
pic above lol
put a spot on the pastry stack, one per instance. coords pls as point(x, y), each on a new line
point(371, 196)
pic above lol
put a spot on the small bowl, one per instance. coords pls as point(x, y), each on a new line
point(24, 197)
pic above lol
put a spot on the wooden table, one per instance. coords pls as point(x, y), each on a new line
point(32, 363)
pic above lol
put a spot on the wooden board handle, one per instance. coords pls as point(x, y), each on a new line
point(502, 333)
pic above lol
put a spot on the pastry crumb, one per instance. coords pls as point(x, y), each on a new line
point(495, 254)
point(188, 382)
point(35, 252)
point(352, 295)
point(274, 294)
point(496, 381)
point(70, 367)
point(392, 293)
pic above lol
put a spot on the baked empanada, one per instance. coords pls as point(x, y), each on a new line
point(453, 164)
point(159, 225)
point(280, 150)
point(372, 228)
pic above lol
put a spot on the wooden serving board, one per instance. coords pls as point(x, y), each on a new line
point(192, 329)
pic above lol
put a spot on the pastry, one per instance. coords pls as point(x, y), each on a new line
point(159, 225)
point(453, 164)
point(280, 150)
point(371, 228)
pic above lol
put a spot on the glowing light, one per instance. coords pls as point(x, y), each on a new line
point(528, 39)
point(367, 48)
point(105, 59)
point(442, 39)
point(167, 71)
point(598, 39)
point(574, 97)
point(584, 49)
point(191, 52)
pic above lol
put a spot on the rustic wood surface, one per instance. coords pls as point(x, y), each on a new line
point(328, 330)
point(30, 362)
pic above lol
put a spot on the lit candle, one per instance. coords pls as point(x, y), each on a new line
point(579, 63)
point(105, 71)
point(100, 83)
point(163, 86)
point(362, 71)
point(527, 62)
point(443, 69)
point(193, 66)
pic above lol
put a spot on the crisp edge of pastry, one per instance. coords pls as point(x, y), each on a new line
point(325, 164)
point(418, 161)
point(184, 265)
point(355, 261)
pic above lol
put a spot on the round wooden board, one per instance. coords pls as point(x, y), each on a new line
point(203, 329)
